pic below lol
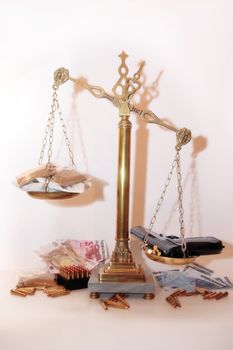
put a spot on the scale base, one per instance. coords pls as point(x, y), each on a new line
point(141, 288)
point(121, 272)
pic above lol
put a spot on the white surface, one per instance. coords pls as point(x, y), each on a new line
point(75, 321)
point(191, 41)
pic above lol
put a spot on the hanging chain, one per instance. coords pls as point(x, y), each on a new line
point(154, 217)
point(183, 137)
point(67, 141)
point(180, 201)
point(49, 130)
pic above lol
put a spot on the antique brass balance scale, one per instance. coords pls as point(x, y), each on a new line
point(121, 274)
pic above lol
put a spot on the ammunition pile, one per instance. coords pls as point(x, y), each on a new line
point(207, 295)
point(23, 291)
point(74, 272)
point(56, 291)
point(172, 299)
point(51, 291)
point(39, 283)
point(116, 301)
point(73, 277)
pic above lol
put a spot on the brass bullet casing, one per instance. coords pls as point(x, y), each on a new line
point(73, 277)
point(123, 301)
point(116, 301)
point(18, 292)
point(221, 295)
point(213, 296)
point(178, 304)
point(54, 289)
point(28, 291)
point(58, 294)
point(116, 298)
point(189, 294)
point(115, 304)
point(173, 301)
point(103, 304)
point(209, 295)
point(50, 291)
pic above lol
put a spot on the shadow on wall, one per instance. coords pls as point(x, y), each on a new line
point(199, 143)
point(194, 227)
point(146, 94)
point(94, 193)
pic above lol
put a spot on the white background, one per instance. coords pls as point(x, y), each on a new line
point(190, 42)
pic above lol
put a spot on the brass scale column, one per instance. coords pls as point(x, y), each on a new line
point(122, 268)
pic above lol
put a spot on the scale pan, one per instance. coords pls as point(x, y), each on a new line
point(168, 260)
point(52, 195)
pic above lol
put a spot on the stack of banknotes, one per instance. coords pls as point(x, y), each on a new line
point(53, 179)
point(62, 253)
point(192, 276)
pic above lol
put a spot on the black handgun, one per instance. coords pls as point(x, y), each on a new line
point(170, 246)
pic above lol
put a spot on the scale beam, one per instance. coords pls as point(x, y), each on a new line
point(62, 75)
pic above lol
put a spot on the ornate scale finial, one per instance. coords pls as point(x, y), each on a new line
point(126, 86)
point(61, 75)
point(119, 89)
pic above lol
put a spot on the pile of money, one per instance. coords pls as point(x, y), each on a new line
point(204, 277)
point(191, 277)
point(174, 279)
point(53, 179)
point(91, 252)
point(62, 253)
